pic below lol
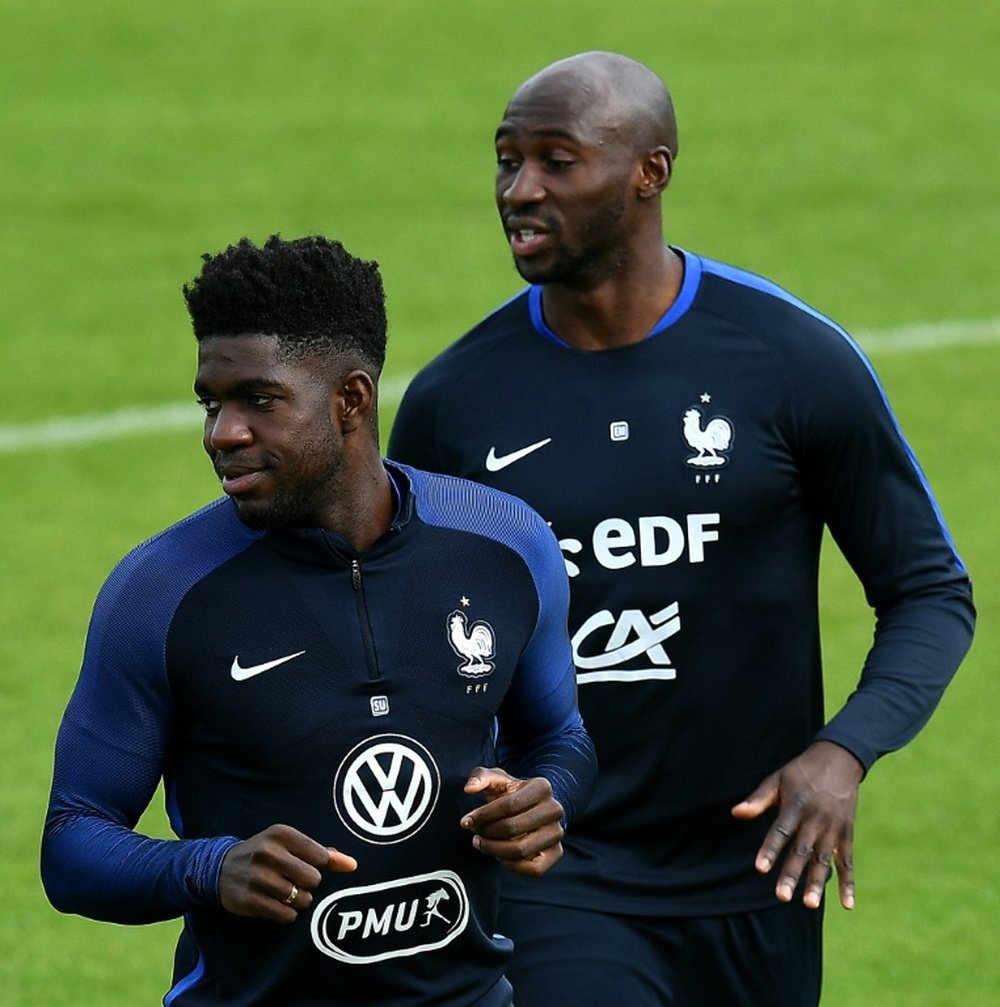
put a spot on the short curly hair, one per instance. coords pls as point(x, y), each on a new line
point(309, 292)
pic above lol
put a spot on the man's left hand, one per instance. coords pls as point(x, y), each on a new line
point(817, 797)
point(520, 822)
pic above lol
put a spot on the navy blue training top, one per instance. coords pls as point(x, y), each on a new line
point(689, 478)
point(282, 677)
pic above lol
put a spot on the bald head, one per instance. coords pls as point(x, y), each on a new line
point(621, 94)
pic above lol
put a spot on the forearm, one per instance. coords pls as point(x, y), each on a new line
point(93, 862)
point(567, 761)
point(919, 644)
point(97, 868)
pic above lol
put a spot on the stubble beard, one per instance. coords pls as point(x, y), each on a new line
point(311, 493)
point(601, 252)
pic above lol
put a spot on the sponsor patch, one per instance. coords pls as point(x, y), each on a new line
point(363, 925)
point(386, 788)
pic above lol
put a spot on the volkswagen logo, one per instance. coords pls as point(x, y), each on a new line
point(386, 788)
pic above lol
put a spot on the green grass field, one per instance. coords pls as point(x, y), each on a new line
point(848, 150)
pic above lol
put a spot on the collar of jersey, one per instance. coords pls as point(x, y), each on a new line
point(689, 287)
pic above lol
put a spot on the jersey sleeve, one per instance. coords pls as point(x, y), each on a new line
point(541, 732)
point(111, 751)
point(878, 506)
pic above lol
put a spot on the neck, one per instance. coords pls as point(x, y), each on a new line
point(619, 309)
point(364, 515)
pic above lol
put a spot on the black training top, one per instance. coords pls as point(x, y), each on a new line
point(282, 677)
point(688, 478)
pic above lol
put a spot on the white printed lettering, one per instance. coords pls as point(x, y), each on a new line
point(348, 921)
point(648, 527)
point(661, 541)
point(375, 924)
point(614, 533)
point(405, 924)
point(698, 534)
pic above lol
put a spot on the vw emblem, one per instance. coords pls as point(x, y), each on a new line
point(386, 788)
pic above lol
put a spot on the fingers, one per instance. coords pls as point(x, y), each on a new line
point(524, 845)
point(520, 824)
point(513, 806)
point(806, 851)
point(765, 796)
point(491, 783)
point(274, 873)
point(775, 841)
point(798, 859)
point(816, 795)
point(845, 874)
point(342, 863)
point(536, 866)
point(812, 854)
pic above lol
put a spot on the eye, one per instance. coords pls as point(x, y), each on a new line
point(211, 406)
point(557, 164)
point(259, 400)
point(507, 163)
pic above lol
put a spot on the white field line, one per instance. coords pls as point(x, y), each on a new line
point(64, 431)
point(59, 432)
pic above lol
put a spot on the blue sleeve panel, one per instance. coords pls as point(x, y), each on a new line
point(541, 732)
point(113, 744)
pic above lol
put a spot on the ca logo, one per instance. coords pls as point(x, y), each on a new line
point(386, 788)
point(633, 636)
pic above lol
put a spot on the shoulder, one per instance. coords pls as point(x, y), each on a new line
point(803, 341)
point(474, 509)
point(764, 308)
point(157, 573)
point(466, 506)
point(432, 415)
point(449, 501)
point(477, 348)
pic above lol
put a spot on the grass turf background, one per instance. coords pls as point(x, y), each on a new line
point(847, 150)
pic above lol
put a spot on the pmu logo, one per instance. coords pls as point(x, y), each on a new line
point(386, 788)
point(634, 637)
point(368, 924)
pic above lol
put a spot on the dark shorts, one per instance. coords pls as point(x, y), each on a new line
point(768, 958)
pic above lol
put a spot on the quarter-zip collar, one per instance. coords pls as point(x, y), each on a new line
point(321, 547)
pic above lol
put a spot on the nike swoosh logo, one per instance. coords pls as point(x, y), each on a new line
point(242, 674)
point(495, 462)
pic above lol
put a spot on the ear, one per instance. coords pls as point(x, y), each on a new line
point(654, 172)
point(354, 400)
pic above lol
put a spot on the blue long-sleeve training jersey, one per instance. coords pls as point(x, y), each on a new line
point(280, 676)
point(689, 478)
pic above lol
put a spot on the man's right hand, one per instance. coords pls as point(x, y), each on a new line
point(273, 874)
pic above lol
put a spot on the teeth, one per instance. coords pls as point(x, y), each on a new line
point(526, 235)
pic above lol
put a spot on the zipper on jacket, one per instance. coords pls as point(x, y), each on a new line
point(357, 582)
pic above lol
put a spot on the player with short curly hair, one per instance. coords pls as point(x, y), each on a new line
point(309, 291)
point(353, 679)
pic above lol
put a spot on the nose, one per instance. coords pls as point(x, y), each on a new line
point(227, 429)
point(523, 188)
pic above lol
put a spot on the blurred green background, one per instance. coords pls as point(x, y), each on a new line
point(848, 150)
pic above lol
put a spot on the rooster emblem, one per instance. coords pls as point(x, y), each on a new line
point(711, 442)
point(474, 643)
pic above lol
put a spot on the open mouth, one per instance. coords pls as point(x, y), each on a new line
point(526, 240)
